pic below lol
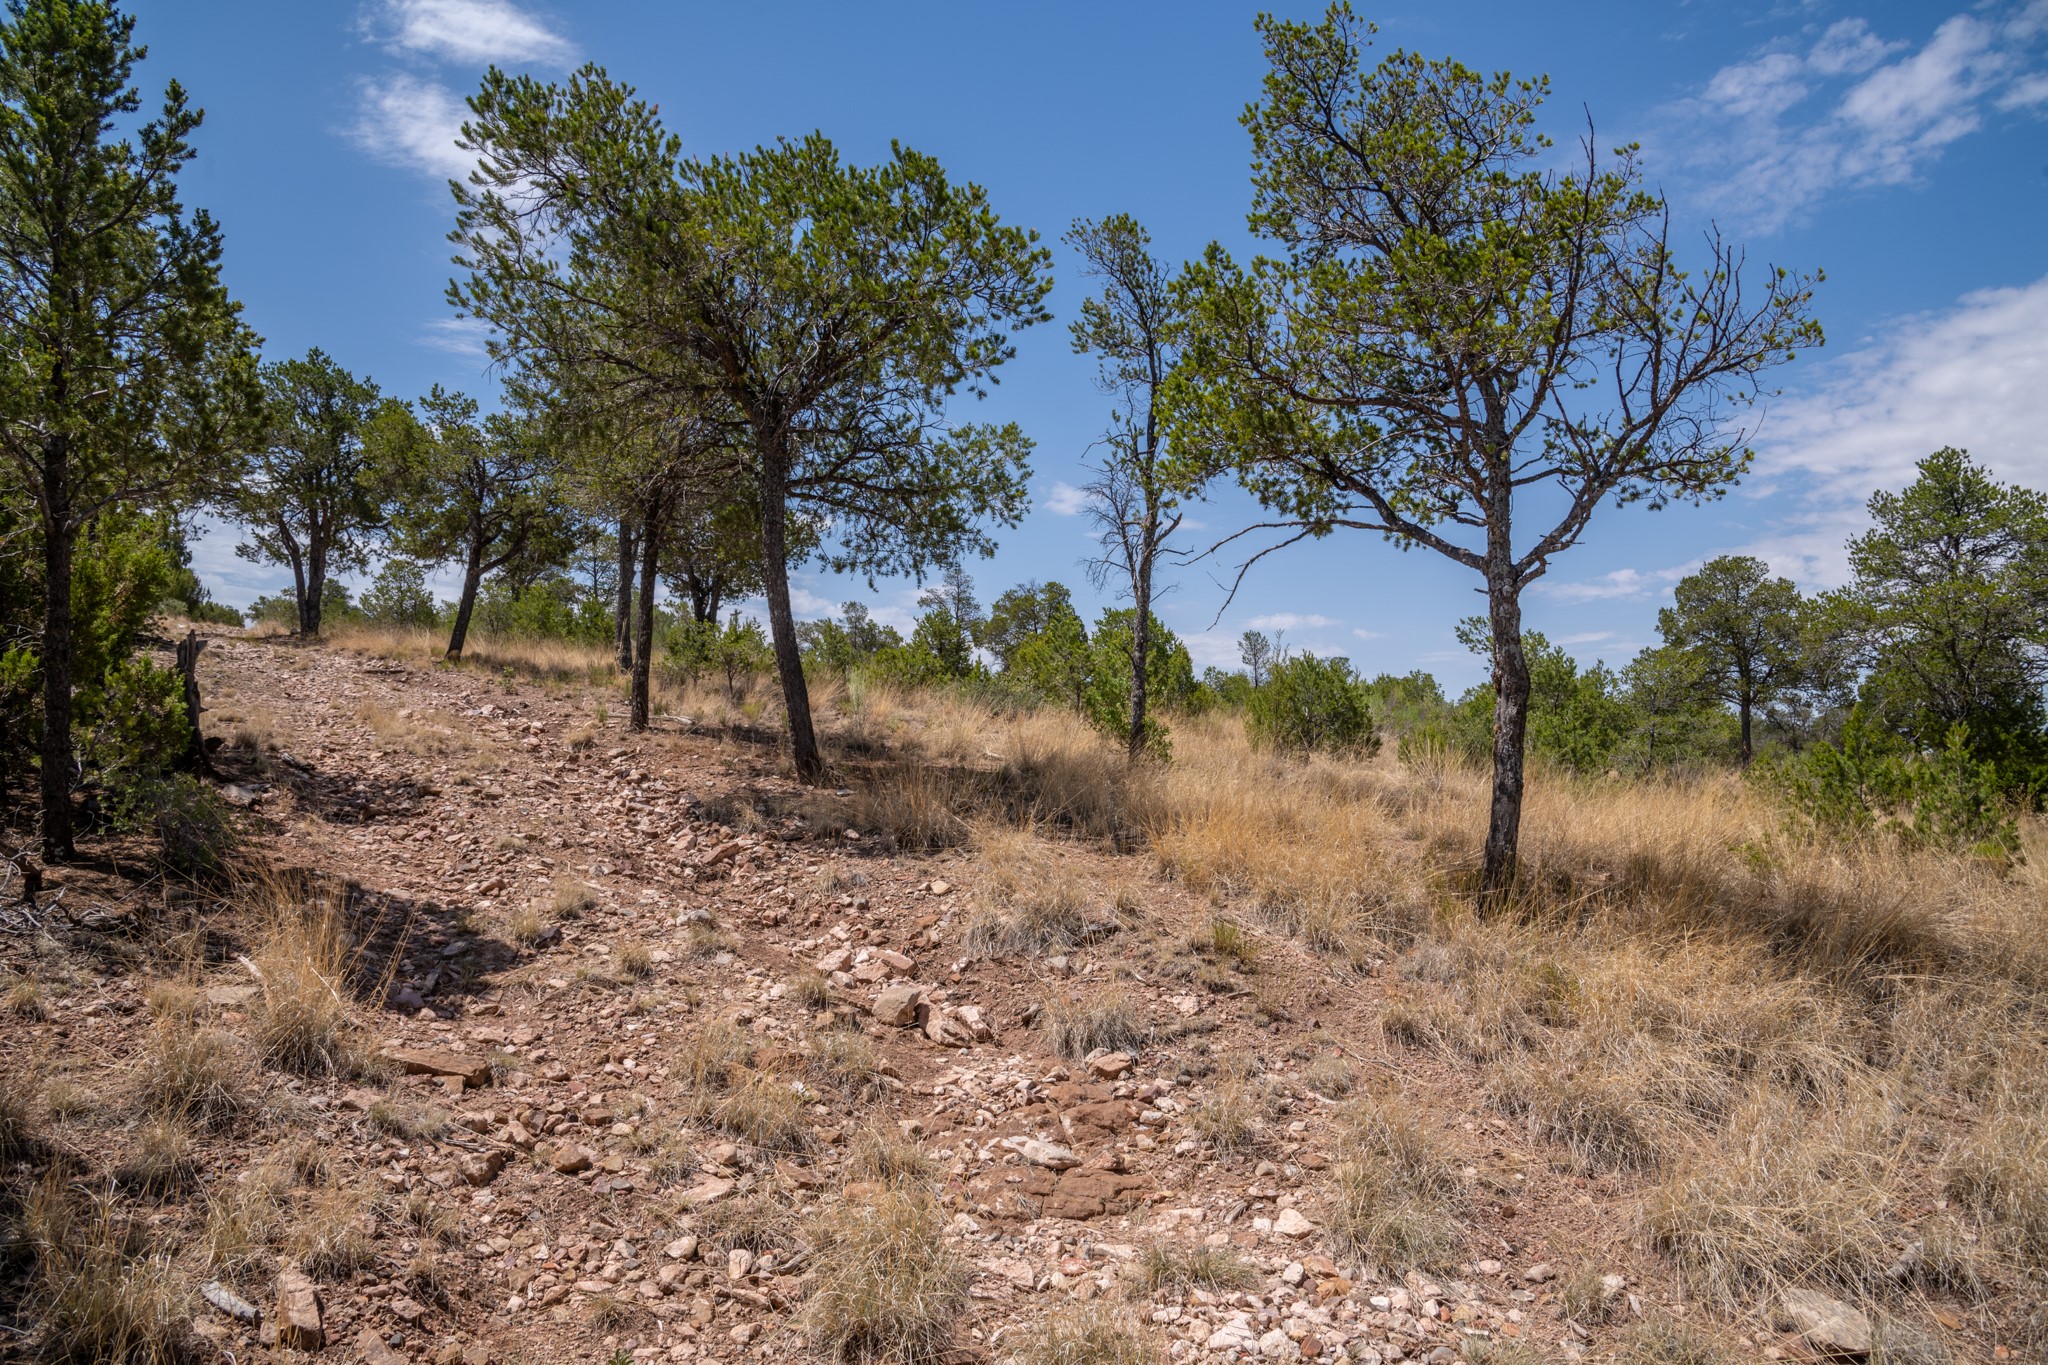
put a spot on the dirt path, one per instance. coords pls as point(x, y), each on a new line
point(551, 909)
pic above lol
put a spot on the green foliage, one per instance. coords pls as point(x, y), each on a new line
point(1947, 614)
point(735, 651)
point(1673, 717)
point(319, 487)
point(943, 641)
point(1743, 629)
point(1875, 782)
point(398, 596)
point(1053, 663)
point(1311, 705)
point(1169, 678)
point(842, 646)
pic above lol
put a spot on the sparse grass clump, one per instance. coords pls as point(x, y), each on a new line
point(880, 1155)
point(1106, 1016)
point(403, 1118)
point(809, 988)
point(528, 927)
point(1165, 1268)
point(636, 962)
point(24, 1000)
point(1330, 1074)
point(850, 1061)
point(191, 1074)
point(336, 1235)
point(100, 1291)
point(765, 1109)
point(1097, 1333)
point(888, 1287)
point(1029, 901)
point(1660, 1339)
point(1395, 1195)
point(1232, 1117)
point(764, 1221)
point(303, 1024)
point(571, 899)
point(159, 1159)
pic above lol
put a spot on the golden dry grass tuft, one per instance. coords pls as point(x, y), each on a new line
point(1167, 1268)
point(303, 1022)
point(100, 1289)
point(1396, 1198)
point(1104, 1016)
point(1029, 899)
point(1093, 1333)
point(888, 1286)
point(192, 1074)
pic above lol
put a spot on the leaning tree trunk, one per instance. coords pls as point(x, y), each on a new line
point(472, 577)
point(789, 663)
point(314, 597)
point(643, 620)
point(58, 541)
point(1510, 733)
point(622, 607)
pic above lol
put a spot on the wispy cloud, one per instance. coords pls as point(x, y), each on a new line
point(462, 336)
point(1585, 637)
point(1291, 620)
point(469, 32)
point(1064, 499)
point(408, 122)
point(1367, 634)
point(1974, 375)
point(1617, 585)
point(1783, 130)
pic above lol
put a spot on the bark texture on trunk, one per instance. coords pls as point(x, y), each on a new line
point(789, 664)
point(1141, 649)
point(59, 540)
point(472, 578)
point(195, 759)
point(622, 607)
point(643, 624)
point(1510, 734)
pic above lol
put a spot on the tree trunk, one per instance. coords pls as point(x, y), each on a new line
point(1747, 751)
point(472, 576)
point(643, 649)
point(1141, 649)
point(789, 664)
point(314, 595)
point(195, 759)
point(1510, 732)
point(59, 539)
point(622, 612)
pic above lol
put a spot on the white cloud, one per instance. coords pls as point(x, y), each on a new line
point(471, 32)
point(1367, 634)
point(1291, 620)
point(1974, 376)
point(1064, 499)
point(413, 123)
point(1617, 585)
point(1585, 637)
point(1888, 113)
point(1213, 649)
point(462, 336)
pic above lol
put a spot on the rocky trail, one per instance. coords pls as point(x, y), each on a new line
point(570, 932)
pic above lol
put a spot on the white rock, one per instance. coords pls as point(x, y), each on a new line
point(1291, 1223)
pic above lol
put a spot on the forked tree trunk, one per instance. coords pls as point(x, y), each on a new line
point(789, 663)
point(195, 759)
point(1510, 735)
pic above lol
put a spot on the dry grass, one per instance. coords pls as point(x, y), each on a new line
point(764, 1221)
point(158, 1160)
point(879, 1155)
point(850, 1061)
point(1096, 1333)
point(24, 1000)
point(335, 1235)
point(303, 1023)
point(101, 1291)
point(1787, 1195)
point(1029, 900)
point(888, 1286)
point(2000, 1173)
point(1105, 1016)
point(1232, 1117)
point(1166, 1269)
point(1395, 1195)
point(635, 961)
point(191, 1074)
point(764, 1108)
point(1660, 1339)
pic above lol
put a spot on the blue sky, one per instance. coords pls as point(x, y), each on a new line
point(1902, 147)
